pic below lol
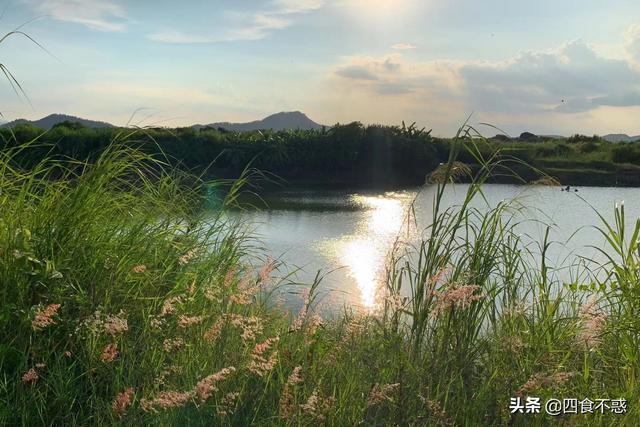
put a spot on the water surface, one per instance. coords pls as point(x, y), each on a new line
point(349, 234)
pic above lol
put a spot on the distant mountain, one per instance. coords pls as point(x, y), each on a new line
point(280, 121)
point(51, 120)
point(527, 135)
point(620, 137)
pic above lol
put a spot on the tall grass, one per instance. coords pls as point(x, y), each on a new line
point(125, 301)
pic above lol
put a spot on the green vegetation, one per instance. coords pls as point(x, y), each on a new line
point(347, 155)
point(120, 304)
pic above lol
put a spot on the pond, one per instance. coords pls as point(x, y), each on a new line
point(348, 234)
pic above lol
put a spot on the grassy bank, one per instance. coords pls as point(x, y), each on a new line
point(121, 305)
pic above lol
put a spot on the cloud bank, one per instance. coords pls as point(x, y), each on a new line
point(572, 78)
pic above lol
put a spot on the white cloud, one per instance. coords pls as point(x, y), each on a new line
point(393, 75)
point(370, 68)
point(403, 46)
point(575, 87)
point(632, 43)
point(102, 15)
point(261, 25)
point(258, 25)
point(572, 78)
point(297, 6)
point(278, 17)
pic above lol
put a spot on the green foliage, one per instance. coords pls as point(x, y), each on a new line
point(468, 321)
point(578, 138)
point(352, 154)
point(627, 153)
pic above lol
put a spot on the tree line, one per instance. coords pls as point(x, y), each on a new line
point(349, 154)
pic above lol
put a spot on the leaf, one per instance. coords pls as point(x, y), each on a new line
point(55, 275)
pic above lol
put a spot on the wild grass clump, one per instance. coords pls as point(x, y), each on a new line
point(124, 301)
point(487, 318)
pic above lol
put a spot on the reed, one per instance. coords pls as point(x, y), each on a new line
point(126, 298)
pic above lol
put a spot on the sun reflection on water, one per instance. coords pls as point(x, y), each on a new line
point(364, 253)
point(362, 260)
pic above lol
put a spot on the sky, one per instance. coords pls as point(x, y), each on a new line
point(548, 67)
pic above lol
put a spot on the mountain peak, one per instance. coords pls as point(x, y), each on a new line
point(284, 120)
point(620, 137)
point(51, 120)
point(289, 113)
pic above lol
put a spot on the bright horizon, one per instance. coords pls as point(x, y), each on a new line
point(544, 68)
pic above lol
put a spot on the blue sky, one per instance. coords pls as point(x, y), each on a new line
point(551, 67)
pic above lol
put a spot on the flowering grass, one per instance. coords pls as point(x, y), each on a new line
point(122, 302)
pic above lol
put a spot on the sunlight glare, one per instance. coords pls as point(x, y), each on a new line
point(375, 10)
point(365, 252)
point(385, 215)
point(363, 262)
